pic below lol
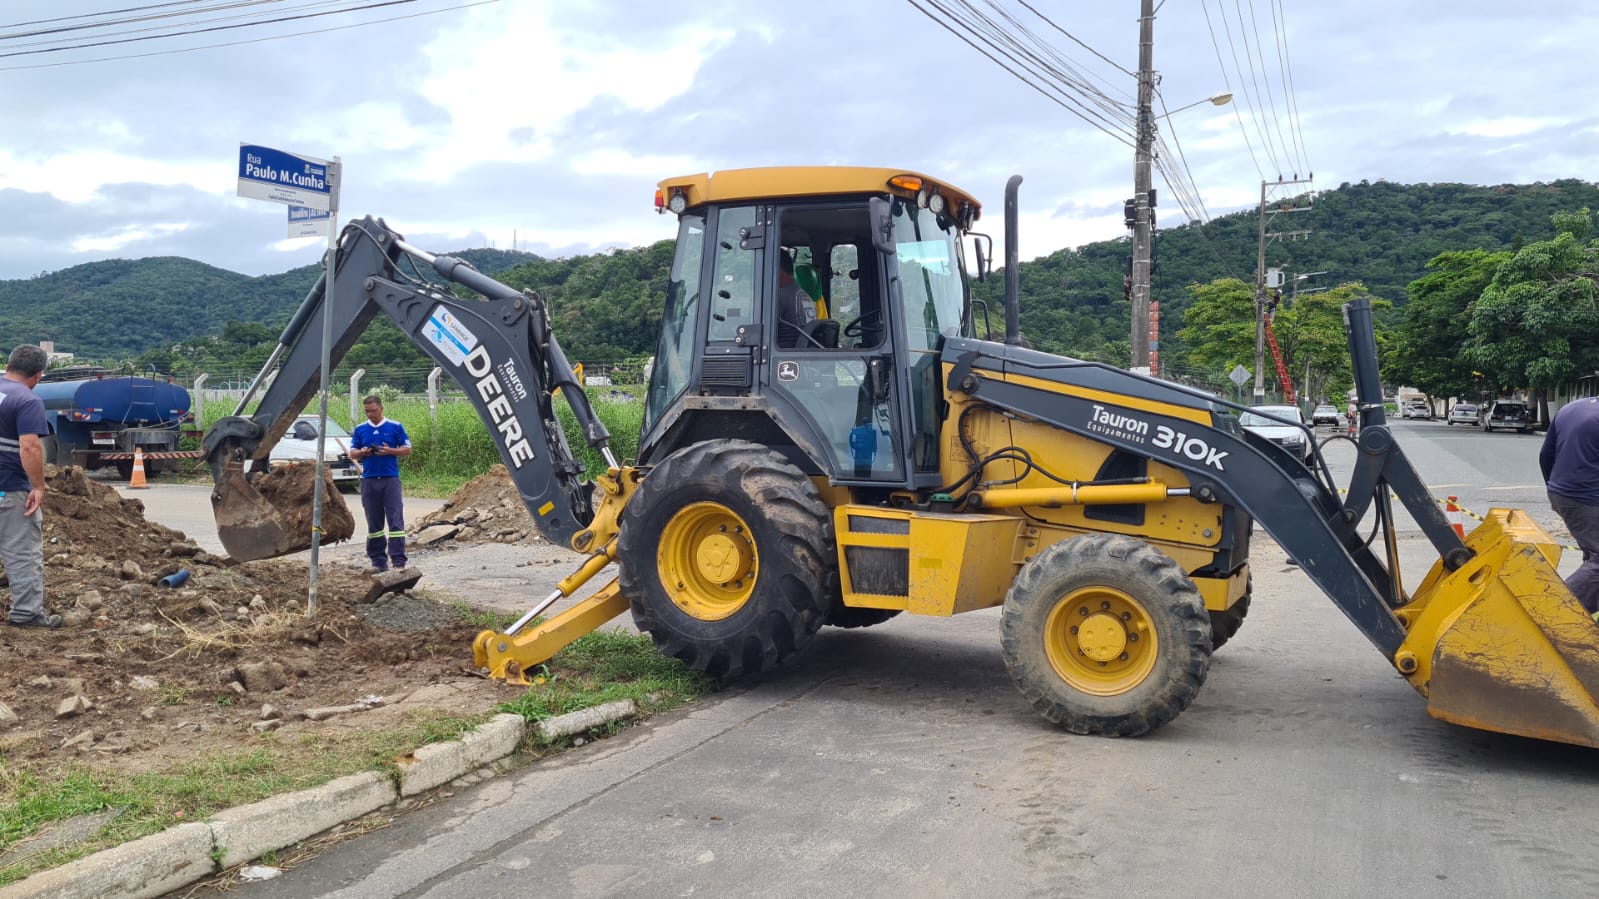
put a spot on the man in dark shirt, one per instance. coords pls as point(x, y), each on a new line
point(22, 423)
point(1570, 463)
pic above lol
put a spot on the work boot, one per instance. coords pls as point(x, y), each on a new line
point(44, 620)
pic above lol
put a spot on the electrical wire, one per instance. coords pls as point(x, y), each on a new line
point(1281, 24)
point(276, 37)
point(257, 16)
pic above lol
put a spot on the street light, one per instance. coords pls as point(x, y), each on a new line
point(1143, 211)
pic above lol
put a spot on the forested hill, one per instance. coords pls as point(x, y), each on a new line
point(1380, 234)
point(606, 305)
point(120, 308)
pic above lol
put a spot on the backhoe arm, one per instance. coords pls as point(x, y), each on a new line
point(498, 348)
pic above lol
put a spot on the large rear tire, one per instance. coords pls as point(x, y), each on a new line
point(726, 555)
point(1105, 634)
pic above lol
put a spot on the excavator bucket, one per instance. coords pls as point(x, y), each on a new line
point(1500, 643)
point(276, 519)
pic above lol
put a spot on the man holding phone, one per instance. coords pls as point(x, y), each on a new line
point(379, 444)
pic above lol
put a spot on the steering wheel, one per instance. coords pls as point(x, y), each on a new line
point(857, 328)
point(797, 329)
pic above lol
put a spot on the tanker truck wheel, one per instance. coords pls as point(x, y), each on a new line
point(1105, 634)
point(726, 555)
point(1224, 625)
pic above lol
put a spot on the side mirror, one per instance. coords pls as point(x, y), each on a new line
point(879, 369)
point(985, 259)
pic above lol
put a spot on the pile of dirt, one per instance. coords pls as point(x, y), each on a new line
point(289, 487)
point(487, 509)
point(145, 673)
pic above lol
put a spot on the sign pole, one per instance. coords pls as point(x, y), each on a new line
point(329, 293)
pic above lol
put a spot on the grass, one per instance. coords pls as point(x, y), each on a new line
point(600, 667)
point(606, 666)
point(455, 446)
point(31, 800)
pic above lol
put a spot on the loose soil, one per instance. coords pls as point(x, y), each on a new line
point(174, 673)
point(487, 509)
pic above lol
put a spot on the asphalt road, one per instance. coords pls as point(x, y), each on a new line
point(900, 760)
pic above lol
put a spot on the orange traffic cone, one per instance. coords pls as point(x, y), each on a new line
point(1452, 512)
point(137, 481)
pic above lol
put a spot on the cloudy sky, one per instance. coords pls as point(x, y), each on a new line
point(548, 123)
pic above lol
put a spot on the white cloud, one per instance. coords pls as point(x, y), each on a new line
point(120, 239)
point(1509, 126)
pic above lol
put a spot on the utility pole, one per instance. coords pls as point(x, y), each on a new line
point(1143, 196)
point(1283, 206)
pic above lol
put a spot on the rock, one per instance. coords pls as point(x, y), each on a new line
point(74, 685)
point(133, 589)
point(437, 533)
point(333, 711)
point(258, 603)
point(236, 687)
point(292, 606)
point(262, 677)
point(7, 716)
point(182, 550)
point(144, 682)
point(392, 582)
point(91, 601)
point(242, 612)
point(130, 571)
point(82, 741)
point(148, 628)
point(270, 711)
point(210, 605)
point(75, 617)
point(149, 713)
point(42, 680)
point(262, 727)
point(73, 706)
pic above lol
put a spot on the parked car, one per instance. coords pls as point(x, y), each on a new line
point(1326, 414)
point(299, 445)
point(1416, 409)
point(1463, 413)
point(1508, 414)
point(1291, 438)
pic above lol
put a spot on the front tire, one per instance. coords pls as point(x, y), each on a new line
point(1105, 634)
point(726, 555)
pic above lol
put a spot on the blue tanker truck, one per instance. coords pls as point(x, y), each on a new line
point(98, 419)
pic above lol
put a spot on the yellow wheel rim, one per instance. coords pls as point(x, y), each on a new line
point(707, 561)
point(1101, 641)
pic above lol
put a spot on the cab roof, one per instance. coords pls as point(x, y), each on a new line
point(787, 182)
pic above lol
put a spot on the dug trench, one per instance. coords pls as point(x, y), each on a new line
point(144, 676)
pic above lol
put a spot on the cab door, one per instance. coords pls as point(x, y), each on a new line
point(836, 388)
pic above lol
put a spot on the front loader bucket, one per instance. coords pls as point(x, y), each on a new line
point(252, 526)
point(1501, 644)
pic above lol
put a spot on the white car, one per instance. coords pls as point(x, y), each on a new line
point(299, 445)
point(1293, 439)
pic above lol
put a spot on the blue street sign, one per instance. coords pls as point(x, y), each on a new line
point(305, 222)
point(279, 177)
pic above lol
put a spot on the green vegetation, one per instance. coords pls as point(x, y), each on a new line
point(31, 798)
point(606, 666)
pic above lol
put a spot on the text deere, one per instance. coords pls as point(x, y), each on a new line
point(480, 366)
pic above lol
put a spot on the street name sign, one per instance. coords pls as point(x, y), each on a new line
point(306, 222)
point(287, 178)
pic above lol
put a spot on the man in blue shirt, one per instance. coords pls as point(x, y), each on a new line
point(22, 423)
point(1570, 463)
point(379, 444)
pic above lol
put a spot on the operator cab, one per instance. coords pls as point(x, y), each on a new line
point(805, 311)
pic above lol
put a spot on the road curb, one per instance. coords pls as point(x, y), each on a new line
point(161, 862)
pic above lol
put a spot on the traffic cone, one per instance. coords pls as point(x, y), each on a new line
point(137, 481)
point(1452, 513)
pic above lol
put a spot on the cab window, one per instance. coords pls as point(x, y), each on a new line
point(733, 297)
point(674, 352)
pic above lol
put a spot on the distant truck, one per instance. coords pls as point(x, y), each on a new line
point(98, 419)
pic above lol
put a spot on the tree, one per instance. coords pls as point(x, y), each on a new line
point(1427, 350)
point(1537, 323)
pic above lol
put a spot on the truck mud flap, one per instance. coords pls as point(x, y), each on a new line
point(1501, 644)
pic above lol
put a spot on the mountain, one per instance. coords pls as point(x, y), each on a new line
point(119, 308)
point(605, 306)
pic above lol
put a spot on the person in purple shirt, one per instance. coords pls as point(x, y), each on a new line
point(22, 487)
point(379, 445)
point(1570, 463)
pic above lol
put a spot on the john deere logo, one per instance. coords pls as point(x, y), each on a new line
point(788, 371)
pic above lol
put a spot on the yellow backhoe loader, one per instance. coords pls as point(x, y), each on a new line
point(828, 439)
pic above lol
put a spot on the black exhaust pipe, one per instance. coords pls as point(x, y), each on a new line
point(1013, 309)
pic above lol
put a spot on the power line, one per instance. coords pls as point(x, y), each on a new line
point(109, 12)
point(1281, 25)
point(259, 40)
point(167, 26)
